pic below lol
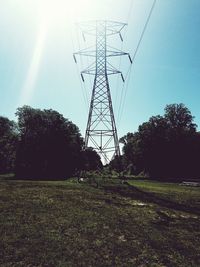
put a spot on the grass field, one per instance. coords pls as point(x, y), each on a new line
point(69, 224)
point(179, 194)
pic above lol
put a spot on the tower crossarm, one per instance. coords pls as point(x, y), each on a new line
point(92, 53)
point(110, 71)
point(88, 53)
point(112, 27)
point(115, 53)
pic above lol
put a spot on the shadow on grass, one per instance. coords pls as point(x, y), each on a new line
point(13, 177)
point(133, 192)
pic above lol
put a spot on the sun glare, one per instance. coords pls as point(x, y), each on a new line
point(33, 70)
point(60, 13)
point(71, 10)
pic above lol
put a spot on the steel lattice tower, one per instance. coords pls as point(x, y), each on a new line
point(101, 132)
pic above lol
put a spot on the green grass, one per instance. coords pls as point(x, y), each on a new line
point(68, 224)
point(187, 195)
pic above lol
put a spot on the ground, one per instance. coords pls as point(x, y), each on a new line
point(141, 223)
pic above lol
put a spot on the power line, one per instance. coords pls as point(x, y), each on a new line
point(78, 73)
point(79, 70)
point(122, 89)
point(127, 76)
point(144, 30)
point(120, 61)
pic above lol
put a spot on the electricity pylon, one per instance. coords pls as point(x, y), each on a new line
point(101, 131)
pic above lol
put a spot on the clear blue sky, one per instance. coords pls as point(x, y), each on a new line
point(38, 38)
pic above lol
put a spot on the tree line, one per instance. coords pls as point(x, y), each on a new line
point(164, 147)
point(42, 144)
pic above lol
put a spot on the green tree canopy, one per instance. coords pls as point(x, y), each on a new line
point(8, 143)
point(165, 146)
point(91, 160)
point(49, 145)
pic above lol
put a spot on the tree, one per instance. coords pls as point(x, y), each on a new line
point(179, 118)
point(132, 158)
point(117, 164)
point(182, 138)
point(91, 160)
point(49, 146)
point(165, 146)
point(8, 144)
